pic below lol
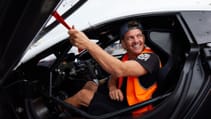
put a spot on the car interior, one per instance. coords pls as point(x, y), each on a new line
point(49, 82)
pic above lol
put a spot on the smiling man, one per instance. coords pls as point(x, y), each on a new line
point(132, 80)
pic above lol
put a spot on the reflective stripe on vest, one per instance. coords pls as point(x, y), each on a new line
point(135, 93)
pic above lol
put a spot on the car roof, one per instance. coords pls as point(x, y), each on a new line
point(94, 12)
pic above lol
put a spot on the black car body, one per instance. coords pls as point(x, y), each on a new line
point(35, 89)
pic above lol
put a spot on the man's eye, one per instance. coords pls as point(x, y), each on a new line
point(140, 35)
point(130, 38)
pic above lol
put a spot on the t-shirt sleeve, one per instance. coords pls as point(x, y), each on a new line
point(149, 61)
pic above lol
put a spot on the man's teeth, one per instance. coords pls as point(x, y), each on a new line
point(136, 46)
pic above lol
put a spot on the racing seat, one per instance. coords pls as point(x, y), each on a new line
point(161, 43)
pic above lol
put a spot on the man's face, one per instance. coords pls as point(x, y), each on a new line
point(134, 41)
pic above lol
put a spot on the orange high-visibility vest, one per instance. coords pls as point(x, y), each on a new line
point(135, 93)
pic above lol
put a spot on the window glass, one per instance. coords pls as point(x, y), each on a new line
point(115, 49)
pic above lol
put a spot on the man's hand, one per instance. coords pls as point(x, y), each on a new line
point(78, 38)
point(116, 94)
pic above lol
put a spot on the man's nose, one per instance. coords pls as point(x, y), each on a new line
point(136, 39)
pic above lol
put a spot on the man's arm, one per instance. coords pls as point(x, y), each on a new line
point(109, 63)
point(112, 83)
point(114, 92)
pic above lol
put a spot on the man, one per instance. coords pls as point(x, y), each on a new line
point(132, 80)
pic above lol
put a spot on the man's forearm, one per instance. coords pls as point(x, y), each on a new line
point(112, 83)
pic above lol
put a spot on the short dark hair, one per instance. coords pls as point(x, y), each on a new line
point(133, 24)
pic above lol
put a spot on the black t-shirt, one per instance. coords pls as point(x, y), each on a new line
point(102, 101)
point(151, 62)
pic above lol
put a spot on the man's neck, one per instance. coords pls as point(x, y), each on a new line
point(131, 56)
